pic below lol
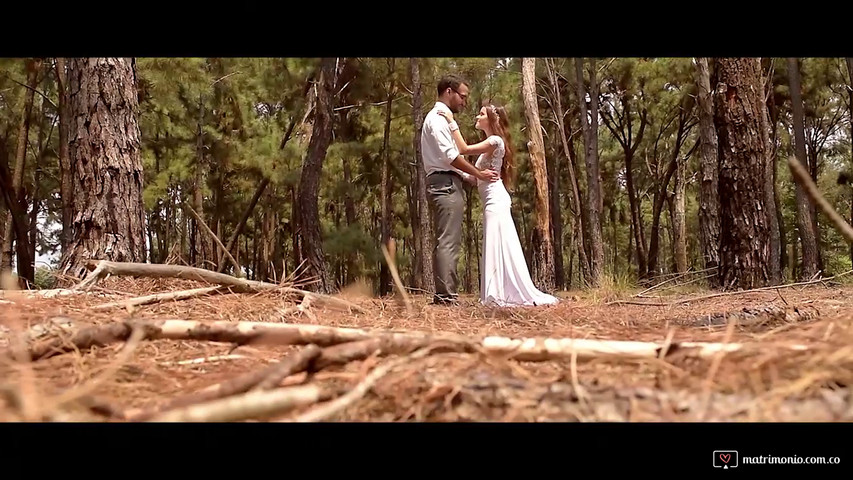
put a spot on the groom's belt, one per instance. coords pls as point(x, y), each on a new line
point(445, 172)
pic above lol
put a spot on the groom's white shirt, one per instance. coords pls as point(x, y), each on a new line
point(437, 145)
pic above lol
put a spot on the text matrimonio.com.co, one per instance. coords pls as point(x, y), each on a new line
point(788, 460)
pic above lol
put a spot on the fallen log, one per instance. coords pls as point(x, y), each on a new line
point(239, 285)
point(265, 379)
point(243, 333)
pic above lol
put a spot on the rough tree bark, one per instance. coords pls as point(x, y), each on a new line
point(804, 209)
point(589, 122)
point(423, 244)
point(543, 250)
point(849, 61)
point(769, 190)
point(310, 235)
point(773, 113)
point(104, 149)
point(556, 218)
point(744, 228)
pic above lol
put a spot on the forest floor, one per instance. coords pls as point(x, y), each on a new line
point(796, 363)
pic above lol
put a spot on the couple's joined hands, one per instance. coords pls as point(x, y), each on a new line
point(488, 175)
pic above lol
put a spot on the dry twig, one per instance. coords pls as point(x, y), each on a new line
point(339, 404)
point(261, 380)
point(253, 404)
point(725, 294)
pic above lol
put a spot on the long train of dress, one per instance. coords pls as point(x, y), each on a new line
point(505, 278)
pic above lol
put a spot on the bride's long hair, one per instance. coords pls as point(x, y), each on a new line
point(499, 121)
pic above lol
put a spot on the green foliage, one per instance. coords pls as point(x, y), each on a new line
point(240, 110)
point(45, 279)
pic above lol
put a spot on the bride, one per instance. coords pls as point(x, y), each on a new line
point(505, 279)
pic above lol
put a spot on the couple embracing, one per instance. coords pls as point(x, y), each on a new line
point(504, 277)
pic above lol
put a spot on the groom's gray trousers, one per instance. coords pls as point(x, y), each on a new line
point(448, 197)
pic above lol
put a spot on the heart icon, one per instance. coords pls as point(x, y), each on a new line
point(725, 457)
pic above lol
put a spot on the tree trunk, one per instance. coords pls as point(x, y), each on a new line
point(744, 227)
point(66, 182)
point(773, 116)
point(769, 190)
point(574, 198)
point(200, 245)
point(678, 223)
point(556, 218)
point(580, 213)
point(629, 146)
point(385, 230)
point(109, 214)
point(543, 249)
point(590, 135)
point(310, 234)
point(468, 277)
point(43, 141)
point(349, 215)
point(24, 264)
point(850, 103)
point(709, 201)
point(805, 221)
point(659, 200)
point(270, 224)
point(424, 211)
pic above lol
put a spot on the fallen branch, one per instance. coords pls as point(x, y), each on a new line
point(241, 333)
point(339, 404)
point(200, 360)
point(389, 253)
point(240, 285)
point(291, 365)
point(753, 317)
point(161, 297)
point(264, 379)
point(52, 293)
point(682, 275)
point(249, 405)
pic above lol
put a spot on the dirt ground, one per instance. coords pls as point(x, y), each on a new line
point(769, 381)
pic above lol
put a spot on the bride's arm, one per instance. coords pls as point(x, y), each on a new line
point(464, 148)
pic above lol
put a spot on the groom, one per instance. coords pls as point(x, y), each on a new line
point(444, 168)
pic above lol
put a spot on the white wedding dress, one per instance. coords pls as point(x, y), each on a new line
point(505, 279)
